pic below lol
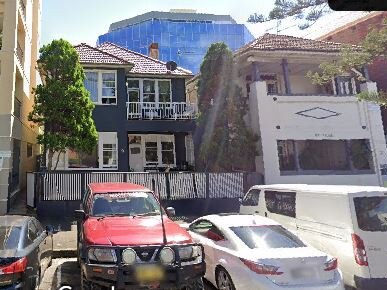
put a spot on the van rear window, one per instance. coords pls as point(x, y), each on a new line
point(371, 213)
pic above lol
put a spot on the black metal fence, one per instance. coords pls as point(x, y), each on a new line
point(192, 193)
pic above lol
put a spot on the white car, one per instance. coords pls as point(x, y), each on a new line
point(247, 252)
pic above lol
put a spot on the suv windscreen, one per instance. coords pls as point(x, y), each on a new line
point(9, 237)
point(266, 237)
point(125, 203)
point(371, 213)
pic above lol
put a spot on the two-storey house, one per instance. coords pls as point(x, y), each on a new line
point(143, 120)
point(309, 133)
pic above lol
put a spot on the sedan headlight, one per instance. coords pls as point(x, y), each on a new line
point(167, 255)
point(102, 255)
point(191, 254)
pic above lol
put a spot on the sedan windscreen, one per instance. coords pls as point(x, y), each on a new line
point(371, 213)
point(265, 237)
point(9, 237)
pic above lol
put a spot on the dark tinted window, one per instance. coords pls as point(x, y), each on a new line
point(251, 198)
point(9, 237)
point(265, 237)
point(283, 203)
point(371, 213)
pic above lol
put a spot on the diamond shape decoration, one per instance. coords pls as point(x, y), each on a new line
point(318, 113)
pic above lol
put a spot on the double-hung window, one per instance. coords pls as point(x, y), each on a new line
point(102, 86)
point(108, 149)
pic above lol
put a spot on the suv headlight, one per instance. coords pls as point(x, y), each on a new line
point(129, 256)
point(102, 255)
point(191, 254)
point(167, 255)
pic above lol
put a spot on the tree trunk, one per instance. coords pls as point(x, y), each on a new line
point(57, 159)
point(49, 159)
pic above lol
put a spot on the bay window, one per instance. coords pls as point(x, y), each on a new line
point(102, 86)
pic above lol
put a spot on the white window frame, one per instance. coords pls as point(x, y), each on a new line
point(157, 94)
point(100, 82)
point(103, 138)
point(158, 139)
point(107, 138)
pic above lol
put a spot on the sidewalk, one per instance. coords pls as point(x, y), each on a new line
point(65, 243)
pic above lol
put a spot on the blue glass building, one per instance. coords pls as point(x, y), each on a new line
point(183, 37)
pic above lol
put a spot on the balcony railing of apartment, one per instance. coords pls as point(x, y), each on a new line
point(20, 53)
point(23, 8)
point(161, 111)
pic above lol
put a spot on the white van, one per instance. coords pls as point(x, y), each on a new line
point(347, 222)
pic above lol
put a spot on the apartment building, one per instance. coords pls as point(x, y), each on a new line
point(19, 30)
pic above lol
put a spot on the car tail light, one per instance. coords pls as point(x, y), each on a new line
point(261, 268)
point(331, 265)
point(359, 250)
point(16, 267)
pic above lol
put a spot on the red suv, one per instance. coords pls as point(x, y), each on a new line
point(124, 241)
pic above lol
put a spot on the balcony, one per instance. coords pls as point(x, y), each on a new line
point(160, 111)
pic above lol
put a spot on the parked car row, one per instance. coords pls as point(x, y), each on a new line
point(284, 237)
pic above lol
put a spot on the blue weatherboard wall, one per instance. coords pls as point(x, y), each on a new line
point(186, 43)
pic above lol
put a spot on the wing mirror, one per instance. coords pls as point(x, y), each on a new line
point(170, 211)
point(79, 214)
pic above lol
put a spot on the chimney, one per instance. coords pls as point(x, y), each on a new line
point(154, 50)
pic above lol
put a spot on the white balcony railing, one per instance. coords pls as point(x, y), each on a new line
point(161, 111)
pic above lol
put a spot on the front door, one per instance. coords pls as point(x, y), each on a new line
point(136, 162)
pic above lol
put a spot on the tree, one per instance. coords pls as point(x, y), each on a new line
point(222, 141)
point(62, 105)
point(356, 58)
point(309, 10)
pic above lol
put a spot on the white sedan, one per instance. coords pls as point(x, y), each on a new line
point(247, 252)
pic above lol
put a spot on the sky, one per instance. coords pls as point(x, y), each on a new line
point(84, 20)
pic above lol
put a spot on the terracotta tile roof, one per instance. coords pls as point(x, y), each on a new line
point(273, 42)
point(91, 55)
point(142, 64)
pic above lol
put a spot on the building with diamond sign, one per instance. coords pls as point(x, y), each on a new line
point(309, 133)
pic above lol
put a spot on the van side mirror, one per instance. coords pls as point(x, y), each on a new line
point(170, 211)
point(79, 214)
point(240, 200)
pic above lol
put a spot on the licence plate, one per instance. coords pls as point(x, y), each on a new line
point(149, 273)
point(302, 273)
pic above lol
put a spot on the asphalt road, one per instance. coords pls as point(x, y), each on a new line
point(65, 272)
